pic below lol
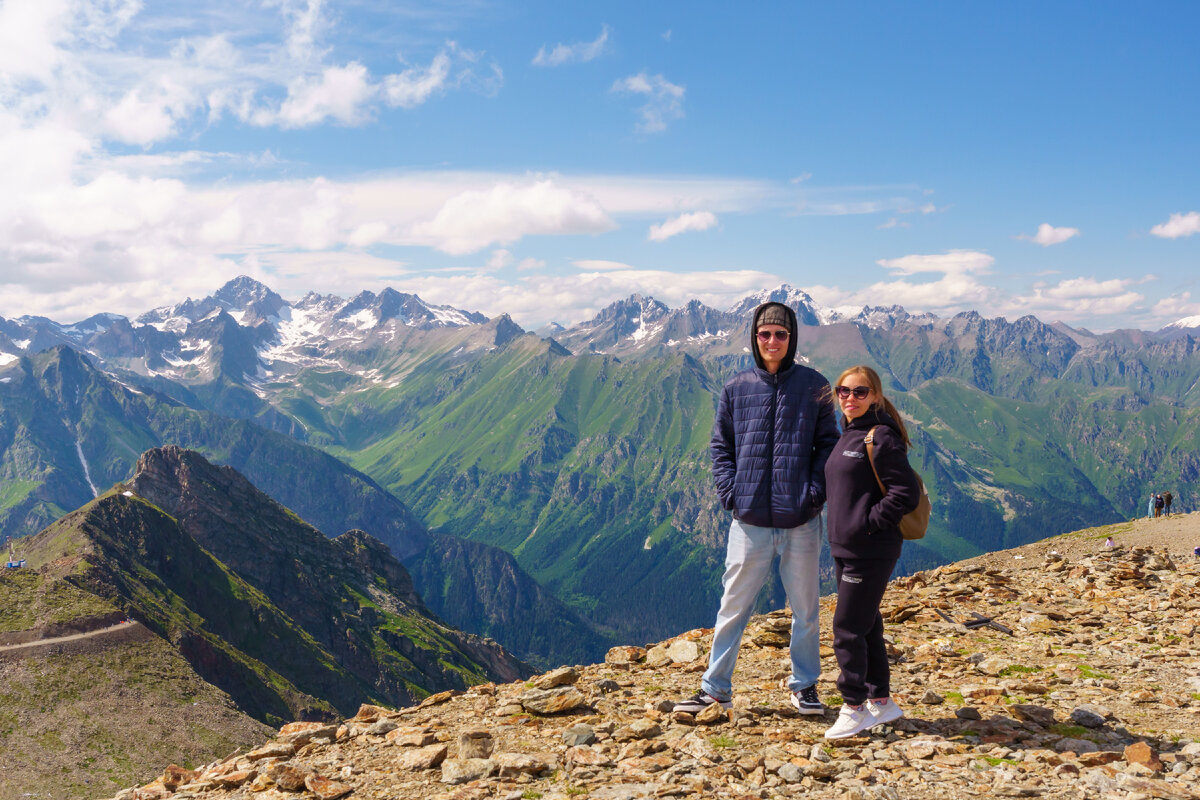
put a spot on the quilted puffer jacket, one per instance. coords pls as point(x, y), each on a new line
point(771, 439)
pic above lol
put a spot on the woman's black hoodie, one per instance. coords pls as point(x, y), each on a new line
point(863, 520)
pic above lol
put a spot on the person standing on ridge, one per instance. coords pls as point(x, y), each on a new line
point(1167, 498)
point(773, 433)
point(869, 493)
point(1159, 503)
point(1150, 507)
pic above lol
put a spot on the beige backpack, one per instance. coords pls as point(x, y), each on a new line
point(914, 523)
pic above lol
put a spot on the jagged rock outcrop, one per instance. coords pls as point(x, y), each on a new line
point(1063, 669)
point(339, 591)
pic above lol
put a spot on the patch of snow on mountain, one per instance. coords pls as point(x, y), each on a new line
point(23, 344)
point(87, 475)
point(174, 325)
point(238, 316)
point(8, 358)
point(192, 345)
point(363, 320)
point(174, 362)
point(828, 316)
point(448, 315)
point(644, 331)
point(703, 337)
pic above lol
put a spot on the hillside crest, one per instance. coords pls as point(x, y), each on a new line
point(1084, 687)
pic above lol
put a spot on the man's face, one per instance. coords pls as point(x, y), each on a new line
point(772, 345)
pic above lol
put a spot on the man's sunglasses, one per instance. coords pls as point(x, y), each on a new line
point(859, 392)
point(765, 336)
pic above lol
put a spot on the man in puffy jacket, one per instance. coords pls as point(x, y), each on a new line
point(774, 431)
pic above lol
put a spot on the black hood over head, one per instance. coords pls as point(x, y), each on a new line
point(790, 316)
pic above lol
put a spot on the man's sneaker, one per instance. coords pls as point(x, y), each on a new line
point(806, 701)
point(851, 721)
point(885, 711)
point(700, 701)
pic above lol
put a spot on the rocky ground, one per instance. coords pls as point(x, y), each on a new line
point(1083, 684)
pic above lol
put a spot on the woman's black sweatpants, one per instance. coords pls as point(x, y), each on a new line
point(858, 628)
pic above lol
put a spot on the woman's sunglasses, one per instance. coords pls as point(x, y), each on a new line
point(765, 336)
point(859, 392)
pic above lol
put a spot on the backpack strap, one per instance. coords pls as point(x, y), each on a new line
point(869, 441)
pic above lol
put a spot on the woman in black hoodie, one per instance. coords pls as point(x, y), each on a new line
point(865, 540)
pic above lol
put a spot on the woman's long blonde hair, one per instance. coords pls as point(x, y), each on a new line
point(872, 378)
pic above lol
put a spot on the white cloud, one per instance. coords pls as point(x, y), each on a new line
point(894, 222)
point(601, 265)
point(1048, 234)
point(503, 214)
point(30, 34)
point(664, 100)
point(530, 264)
point(304, 25)
point(414, 86)
point(955, 262)
point(1176, 306)
point(499, 259)
point(1076, 298)
point(696, 221)
point(368, 233)
point(145, 116)
point(567, 53)
point(340, 93)
point(1084, 288)
point(1178, 225)
point(955, 291)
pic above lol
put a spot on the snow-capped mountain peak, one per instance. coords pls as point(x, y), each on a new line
point(1186, 322)
point(800, 301)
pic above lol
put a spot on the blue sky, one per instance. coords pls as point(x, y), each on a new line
point(546, 159)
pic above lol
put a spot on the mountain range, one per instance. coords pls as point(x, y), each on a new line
point(552, 490)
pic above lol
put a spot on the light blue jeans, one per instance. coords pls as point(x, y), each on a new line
point(747, 566)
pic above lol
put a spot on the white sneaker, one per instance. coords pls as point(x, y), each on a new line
point(851, 721)
point(885, 712)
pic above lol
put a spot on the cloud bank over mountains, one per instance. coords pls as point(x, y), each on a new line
point(153, 150)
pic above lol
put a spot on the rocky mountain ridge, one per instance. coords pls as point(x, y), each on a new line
point(288, 622)
point(247, 332)
point(1064, 669)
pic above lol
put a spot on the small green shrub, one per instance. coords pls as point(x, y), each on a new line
point(1089, 672)
point(1018, 669)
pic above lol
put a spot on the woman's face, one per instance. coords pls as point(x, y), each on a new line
point(855, 395)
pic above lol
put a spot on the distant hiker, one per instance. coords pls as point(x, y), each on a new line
point(773, 433)
point(865, 540)
point(1159, 504)
point(1167, 498)
point(1150, 507)
point(1109, 542)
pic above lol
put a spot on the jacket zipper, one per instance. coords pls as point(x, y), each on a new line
point(771, 450)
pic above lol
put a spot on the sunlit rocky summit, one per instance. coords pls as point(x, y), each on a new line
point(1061, 669)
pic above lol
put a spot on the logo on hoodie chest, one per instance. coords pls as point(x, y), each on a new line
point(853, 454)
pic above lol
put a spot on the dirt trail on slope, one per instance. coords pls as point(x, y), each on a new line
point(127, 631)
